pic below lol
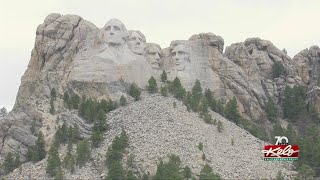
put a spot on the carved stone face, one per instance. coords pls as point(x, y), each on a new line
point(153, 56)
point(115, 32)
point(136, 42)
point(180, 56)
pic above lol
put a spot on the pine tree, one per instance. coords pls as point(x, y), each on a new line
point(17, 161)
point(123, 101)
point(52, 109)
point(278, 69)
point(131, 176)
point(145, 176)
point(83, 107)
point(197, 91)
point(103, 104)
point(113, 155)
point(33, 126)
point(112, 105)
point(116, 171)
point(305, 172)
point(70, 134)
point(70, 146)
point(152, 85)
point(203, 106)
point(40, 152)
point(271, 110)
point(134, 92)
point(75, 101)
point(69, 162)
point(231, 111)
point(54, 163)
point(115, 152)
point(96, 138)
point(279, 176)
point(203, 157)
point(61, 135)
point(187, 172)
point(169, 170)
point(66, 98)
point(8, 164)
point(293, 104)
point(220, 108)
point(59, 175)
point(101, 123)
point(176, 83)
point(164, 91)
point(130, 161)
point(207, 173)
point(207, 118)
point(277, 129)
point(220, 126)
point(30, 153)
point(76, 134)
point(164, 76)
point(200, 146)
point(83, 153)
point(196, 95)
point(91, 110)
point(291, 134)
point(176, 89)
point(188, 100)
point(53, 93)
point(211, 101)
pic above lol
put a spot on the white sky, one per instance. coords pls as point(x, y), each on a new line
point(290, 24)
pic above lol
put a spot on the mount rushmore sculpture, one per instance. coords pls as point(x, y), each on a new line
point(71, 54)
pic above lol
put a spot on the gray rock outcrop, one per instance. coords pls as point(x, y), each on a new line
point(3, 112)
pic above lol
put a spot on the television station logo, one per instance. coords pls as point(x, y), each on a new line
point(281, 151)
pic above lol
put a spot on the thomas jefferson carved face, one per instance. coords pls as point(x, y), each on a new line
point(180, 56)
point(153, 56)
point(136, 42)
point(115, 32)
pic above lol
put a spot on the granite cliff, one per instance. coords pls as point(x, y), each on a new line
point(73, 55)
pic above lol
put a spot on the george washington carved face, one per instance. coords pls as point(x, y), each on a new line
point(136, 42)
point(115, 32)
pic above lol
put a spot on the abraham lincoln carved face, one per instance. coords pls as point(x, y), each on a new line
point(181, 56)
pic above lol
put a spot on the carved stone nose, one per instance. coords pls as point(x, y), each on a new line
point(157, 57)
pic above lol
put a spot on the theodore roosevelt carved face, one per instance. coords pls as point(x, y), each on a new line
point(153, 53)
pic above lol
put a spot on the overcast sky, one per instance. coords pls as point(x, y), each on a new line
point(290, 24)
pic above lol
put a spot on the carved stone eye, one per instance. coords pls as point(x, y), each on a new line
point(181, 52)
point(132, 38)
point(116, 28)
point(108, 28)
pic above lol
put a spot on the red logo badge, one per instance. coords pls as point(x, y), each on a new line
point(281, 151)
